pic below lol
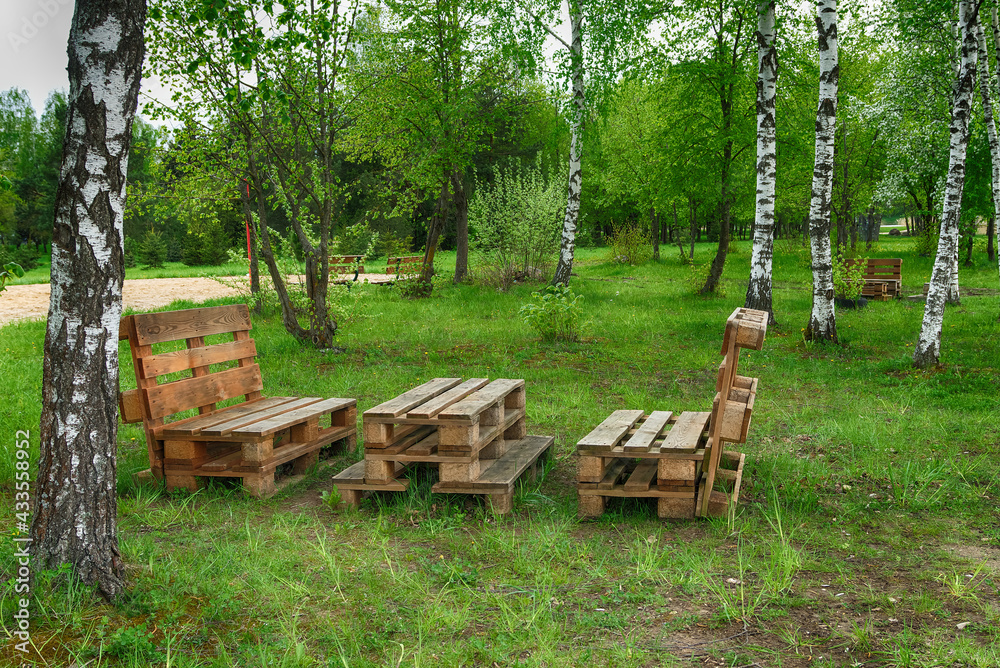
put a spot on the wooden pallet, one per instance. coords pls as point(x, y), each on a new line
point(474, 432)
point(247, 440)
point(672, 458)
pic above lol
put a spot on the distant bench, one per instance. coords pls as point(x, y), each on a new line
point(882, 277)
point(346, 264)
point(404, 265)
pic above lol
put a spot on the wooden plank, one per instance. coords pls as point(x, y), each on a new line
point(442, 401)
point(686, 433)
point(224, 463)
point(274, 424)
point(289, 451)
point(613, 471)
point(587, 489)
point(354, 473)
point(179, 360)
point(424, 447)
point(502, 474)
point(648, 432)
point(412, 398)
point(192, 426)
point(482, 399)
point(130, 406)
point(226, 427)
point(613, 429)
point(182, 395)
point(643, 475)
point(174, 325)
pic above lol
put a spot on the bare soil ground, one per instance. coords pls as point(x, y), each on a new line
point(23, 302)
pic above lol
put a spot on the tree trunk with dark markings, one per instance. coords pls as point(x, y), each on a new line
point(75, 520)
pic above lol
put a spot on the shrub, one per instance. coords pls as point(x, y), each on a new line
point(25, 255)
point(555, 315)
point(358, 239)
point(152, 250)
point(131, 249)
point(629, 244)
point(516, 223)
point(848, 276)
point(205, 243)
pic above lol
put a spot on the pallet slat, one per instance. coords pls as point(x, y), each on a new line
point(612, 430)
point(413, 398)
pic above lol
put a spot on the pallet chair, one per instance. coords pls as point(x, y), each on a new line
point(248, 440)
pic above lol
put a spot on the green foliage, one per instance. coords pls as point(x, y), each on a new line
point(554, 314)
point(205, 243)
point(516, 221)
point(359, 239)
point(848, 276)
point(152, 251)
point(927, 241)
point(131, 250)
point(629, 244)
point(10, 270)
point(25, 255)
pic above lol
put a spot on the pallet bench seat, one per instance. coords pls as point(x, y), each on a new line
point(474, 432)
point(343, 265)
point(248, 440)
point(671, 457)
point(883, 278)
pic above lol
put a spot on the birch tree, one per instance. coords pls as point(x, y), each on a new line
point(571, 220)
point(822, 320)
point(928, 348)
point(988, 112)
point(759, 288)
point(75, 519)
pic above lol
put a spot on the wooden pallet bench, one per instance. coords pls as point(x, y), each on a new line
point(883, 278)
point(404, 266)
point(474, 432)
point(247, 440)
point(671, 457)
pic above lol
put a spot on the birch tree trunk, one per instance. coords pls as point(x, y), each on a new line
point(75, 520)
point(759, 289)
point(928, 348)
point(460, 201)
point(996, 53)
point(989, 119)
point(823, 321)
point(567, 246)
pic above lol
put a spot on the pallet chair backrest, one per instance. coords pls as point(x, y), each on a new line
point(735, 394)
point(203, 388)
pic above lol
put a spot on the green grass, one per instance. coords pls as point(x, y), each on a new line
point(868, 529)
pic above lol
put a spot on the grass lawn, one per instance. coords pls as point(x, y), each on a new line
point(868, 532)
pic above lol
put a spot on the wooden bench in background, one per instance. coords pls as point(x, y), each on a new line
point(883, 278)
point(404, 266)
point(248, 440)
point(674, 458)
point(346, 264)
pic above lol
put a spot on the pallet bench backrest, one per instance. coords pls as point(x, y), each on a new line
point(883, 270)
point(347, 264)
point(201, 388)
point(735, 394)
point(404, 264)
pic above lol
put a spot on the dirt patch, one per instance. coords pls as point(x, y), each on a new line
point(31, 302)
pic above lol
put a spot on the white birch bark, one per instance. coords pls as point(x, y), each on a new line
point(759, 295)
point(822, 320)
point(567, 246)
point(996, 163)
point(988, 117)
point(928, 348)
point(75, 519)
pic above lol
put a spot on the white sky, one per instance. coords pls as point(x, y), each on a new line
point(33, 36)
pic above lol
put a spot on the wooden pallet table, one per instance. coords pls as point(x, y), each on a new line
point(474, 432)
point(247, 440)
point(671, 457)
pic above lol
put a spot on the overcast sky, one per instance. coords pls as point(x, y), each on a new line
point(33, 36)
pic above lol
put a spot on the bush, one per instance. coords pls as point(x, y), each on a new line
point(205, 243)
point(152, 252)
point(927, 242)
point(26, 256)
point(131, 249)
point(515, 223)
point(848, 276)
point(629, 244)
point(358, 239)
point(555, 315)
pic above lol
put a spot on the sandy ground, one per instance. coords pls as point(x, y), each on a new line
point(24, 302)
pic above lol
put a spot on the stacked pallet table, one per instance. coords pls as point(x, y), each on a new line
point(474, 432)
point(673, 458)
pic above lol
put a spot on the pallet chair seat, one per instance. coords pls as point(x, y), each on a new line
point(248, 440)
